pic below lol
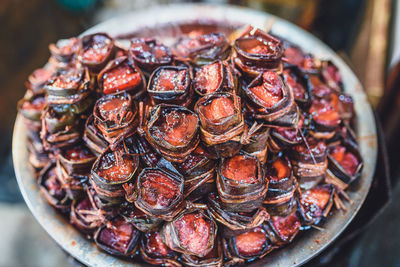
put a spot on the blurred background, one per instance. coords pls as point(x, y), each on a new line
point(365, 33)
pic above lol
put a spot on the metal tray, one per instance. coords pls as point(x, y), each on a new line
point(304, 247)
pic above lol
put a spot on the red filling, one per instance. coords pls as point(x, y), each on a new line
point(111, 109)
point(241, 169)
point(200, 43)
point(121, 78)
point(294, 55)
point(346, 159)
point(281, 170)
point(219, 108)
point(158, 189)
point(286, 226)
point(176, 128)
point(270, 92)
point(67, 47)
point(209, 78)
point(325, 112)
point(170, 80)
point(70, 79)
point(115, 167)
point(150, 51)
point(319, 88)
point(98, 49)
point(78, 153)
point(259, 46)
point(251, 243)
point(118, 235)
point(314, 201)
point(313, 147)
point(298, 89)
point(194, 232)
point(155, 246)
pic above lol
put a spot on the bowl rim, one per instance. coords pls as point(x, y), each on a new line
point(301, 249)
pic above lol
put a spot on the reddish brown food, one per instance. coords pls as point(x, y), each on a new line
point(150, 54)
point(115, 167)
point(97, 50)
point(299, 91)
point(208, 79)
point(37, 103)
point(194, 232)
point(324, 112)
point(241, 169)
point(286, 227)
point(346, 159)
point(159, 190)
point(78, 153)
point(270, 92)
point(54, 186)
point(155, 246)
point(170, 80)
point(121, 78)
point(251, 243)
point(118, 235)
point(281, 170)
point(111, 108)
point(70, 79)
point(312, 146)
point(176, 128)
point(219, 108)
point(314, 201)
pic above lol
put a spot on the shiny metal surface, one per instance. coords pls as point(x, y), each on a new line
point(301, 249)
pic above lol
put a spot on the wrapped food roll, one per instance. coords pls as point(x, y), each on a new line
point(258, 52)
point(192, 232)
point(153, 250)
point(116, 116)
point(282, 229)
point(118, 237)
point(214, 77)
point(282, 186)
point(50, 186)
point(173, 131)
point(97, 50)
point(214, 258)
point(316, 203)
point(111, 173)
point(159, 193)
point(270, 100)
point(203, 49)
point(235, 223)
point(222, 123)
point(246, 247)
point(120, 75)
point(149, 54)
point(241, 183)
point(171, 85)
point(309, 162)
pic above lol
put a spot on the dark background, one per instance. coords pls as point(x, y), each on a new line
point(27, 29)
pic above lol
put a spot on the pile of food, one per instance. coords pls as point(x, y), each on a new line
point(211, 152)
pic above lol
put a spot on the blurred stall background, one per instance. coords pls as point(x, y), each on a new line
point(366, 33)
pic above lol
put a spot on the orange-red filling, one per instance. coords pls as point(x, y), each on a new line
point(118, 235)
point(315, 200)
point(298, 89)
point(241, 169)
point(209, 78)
point(346, 159)
point(78, 153)
point(120, 78)
point(170, 80)
point(155, 246)
point(219, 108)
point(176, 128)
point(286, 226)
point(251, 243)
point(110, 109)
point(98, 50)
point(158, 189)
point(281, 169)
point(324, 112)
point(115, 167)
point(194, 232)
point(270, 92)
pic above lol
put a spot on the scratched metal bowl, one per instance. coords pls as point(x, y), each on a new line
point(301, 249)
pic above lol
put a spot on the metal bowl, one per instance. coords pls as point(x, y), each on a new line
point(301, 249)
